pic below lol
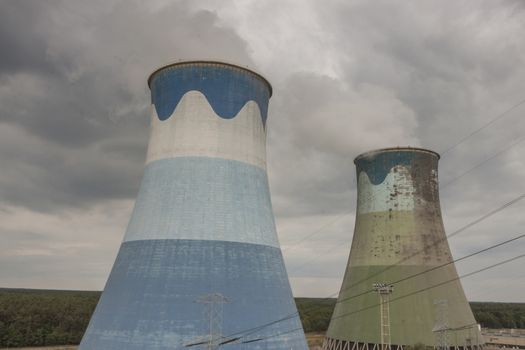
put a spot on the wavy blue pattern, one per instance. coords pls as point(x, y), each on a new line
point(377, 166)
point(227, 88)
point(149, 299)
point(203, 198)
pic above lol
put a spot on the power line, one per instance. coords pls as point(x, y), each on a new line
point(320, 254)
point(295, 314)
point(450, 235)
point(238, 340)
point(353, 209)
point(480, 293)
point(255, 329)
point(299, 329)
point(436, 285)
point(273, 336)
point(490, 122)
point(320, 229)
point(521, 139)
point(489, 214)
point(438, 267)
point(458, 231)
point(392, 300)
point(435, 243)
point(501, 115)
point(446, 184)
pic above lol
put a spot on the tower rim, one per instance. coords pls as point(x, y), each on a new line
point(223, 63)
point(394, 149)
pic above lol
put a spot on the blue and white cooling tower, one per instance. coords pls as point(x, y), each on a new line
point(202, 225)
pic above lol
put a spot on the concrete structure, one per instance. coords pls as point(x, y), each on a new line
point(399, 233)
point(202, 225)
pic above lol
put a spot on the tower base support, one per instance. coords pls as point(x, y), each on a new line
point(339, 344)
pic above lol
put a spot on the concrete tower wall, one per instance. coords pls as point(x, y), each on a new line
point(399, 233)
point(202, 222)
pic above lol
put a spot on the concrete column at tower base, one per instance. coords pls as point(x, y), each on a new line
point(338, 344)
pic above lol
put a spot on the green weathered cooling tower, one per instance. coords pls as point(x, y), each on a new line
point(399, 240)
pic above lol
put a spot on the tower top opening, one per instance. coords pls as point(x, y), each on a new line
point(211, 62)
point(372, 153)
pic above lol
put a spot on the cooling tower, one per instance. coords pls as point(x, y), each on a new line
point(399, 234)
point(200, 264)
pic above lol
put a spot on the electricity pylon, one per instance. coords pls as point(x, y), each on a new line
point(213, 317)
point(384, 290)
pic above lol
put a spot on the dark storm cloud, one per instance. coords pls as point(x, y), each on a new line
point(45, 176)
point(73, 91)
point(23, 42)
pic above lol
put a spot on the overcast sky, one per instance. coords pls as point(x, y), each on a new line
point(348, 77)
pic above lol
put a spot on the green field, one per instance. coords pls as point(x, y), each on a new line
point(47, 317)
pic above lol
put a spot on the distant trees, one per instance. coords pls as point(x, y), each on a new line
point(315, 313)
point(40, 317)
point(499, 315)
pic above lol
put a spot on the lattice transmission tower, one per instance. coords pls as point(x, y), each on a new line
point(384, 290)
point(213, 316)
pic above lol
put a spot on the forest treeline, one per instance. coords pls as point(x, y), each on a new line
point(44, 317)
point(47, 317)
point(316, 313)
